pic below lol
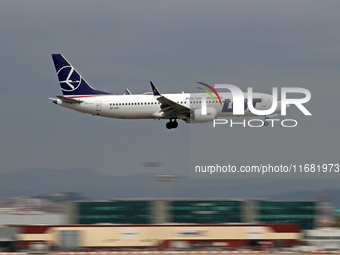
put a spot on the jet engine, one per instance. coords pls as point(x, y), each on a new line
point(197, 117)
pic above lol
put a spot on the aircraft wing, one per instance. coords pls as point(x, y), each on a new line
point(169, 109)
point(172, 109)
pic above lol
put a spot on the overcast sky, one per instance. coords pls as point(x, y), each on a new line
point(125, 44)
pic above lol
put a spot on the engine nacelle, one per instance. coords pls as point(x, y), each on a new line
point(197, 117)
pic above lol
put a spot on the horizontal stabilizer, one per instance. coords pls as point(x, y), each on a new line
point(69, 100)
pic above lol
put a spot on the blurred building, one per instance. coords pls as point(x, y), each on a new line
point(303, 213)
point(325, 212)
point(323, 238)
point(184, 211)
point(8, 239)
point(158, 236)
point(175, 224)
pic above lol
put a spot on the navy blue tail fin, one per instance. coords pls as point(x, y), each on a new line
point(70, 80)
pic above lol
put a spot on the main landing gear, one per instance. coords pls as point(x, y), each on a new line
point(172, 124)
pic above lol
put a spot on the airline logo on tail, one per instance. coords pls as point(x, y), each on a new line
point(71, 82)
point(69, 79)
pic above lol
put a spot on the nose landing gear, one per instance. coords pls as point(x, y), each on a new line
point(172, 124)
point(266, 122)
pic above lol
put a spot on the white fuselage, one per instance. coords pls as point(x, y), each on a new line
point(148, 107)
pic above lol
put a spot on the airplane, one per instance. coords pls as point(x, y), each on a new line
point(80, 96)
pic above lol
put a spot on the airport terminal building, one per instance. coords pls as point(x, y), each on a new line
point(175, 224)
point(159, 236)
point(184, 211)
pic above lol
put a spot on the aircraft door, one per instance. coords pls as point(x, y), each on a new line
point(98, 105)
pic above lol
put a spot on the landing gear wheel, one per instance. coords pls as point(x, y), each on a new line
point(169, 125)
point(265, 120)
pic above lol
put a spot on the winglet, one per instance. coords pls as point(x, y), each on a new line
point(128, 91)
point(154, 89)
